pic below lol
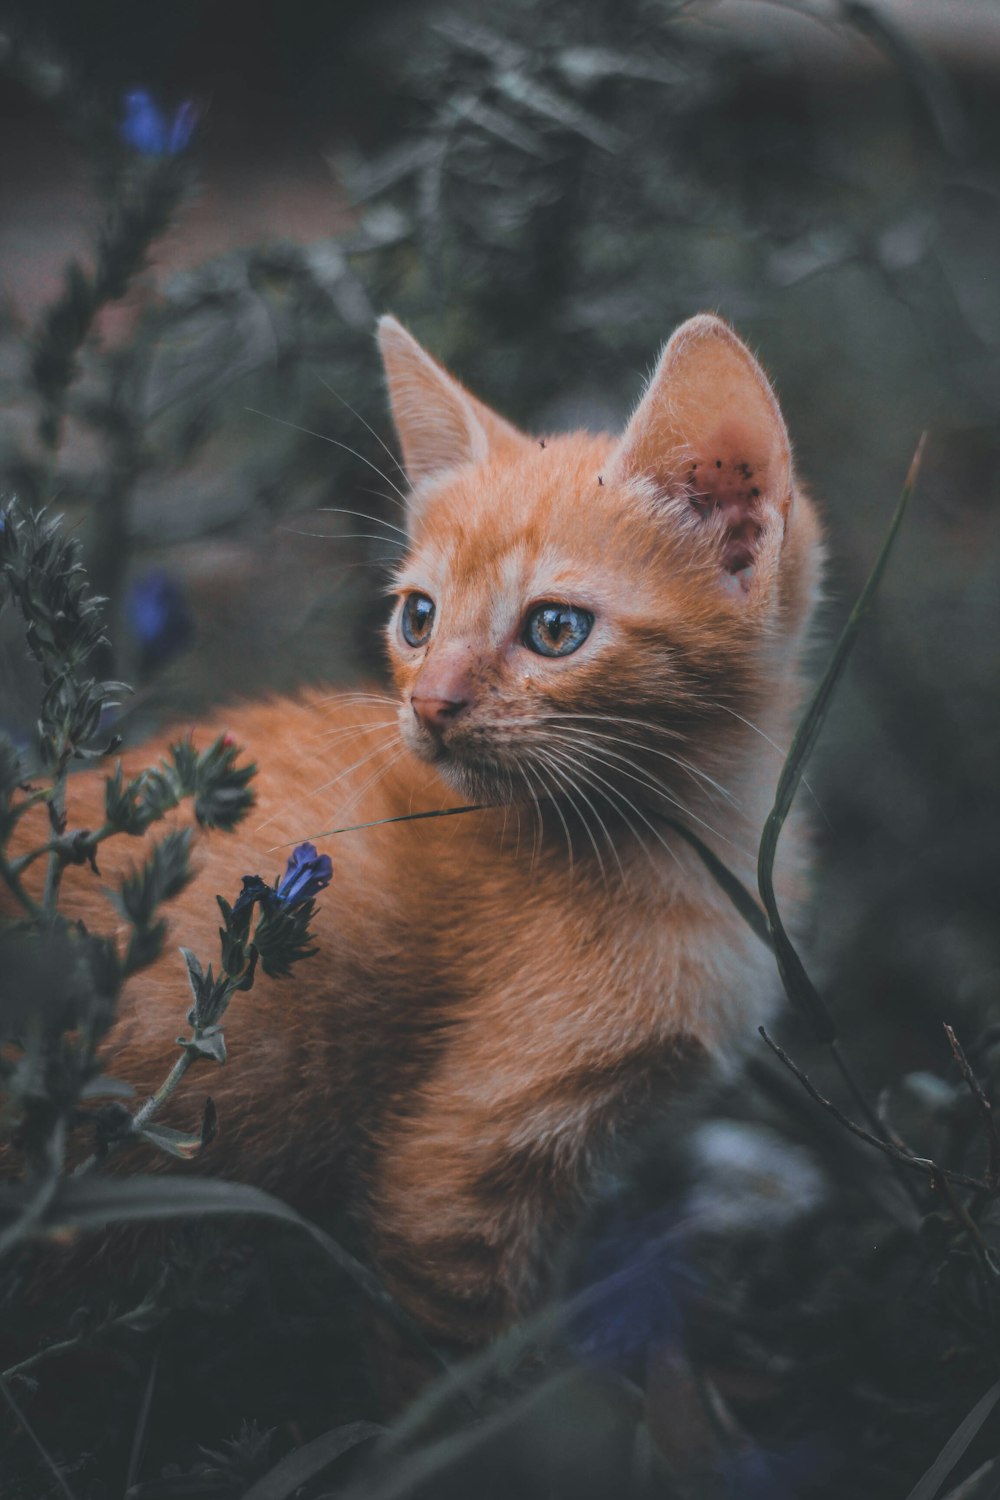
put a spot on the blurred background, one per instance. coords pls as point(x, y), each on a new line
point(542, 192)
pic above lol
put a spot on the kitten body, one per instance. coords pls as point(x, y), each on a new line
point(499, 997)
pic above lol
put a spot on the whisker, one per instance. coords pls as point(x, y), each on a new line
point(364, 515)
point(647, 726)
point(342, 731)
point(334, 780)
point(615, 792)
point(774, 746)
point(568, 765)
point(539, 758)
point(611, 794)
point(325, 438)
point(618, 762)
point(342, 536)
point(357, 696)
point(677, 760)
point(539, 827)
point(380, 440)
point(562, 789)
point(345, 772)
point(376, 776)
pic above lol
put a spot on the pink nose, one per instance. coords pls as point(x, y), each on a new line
point(436, 714)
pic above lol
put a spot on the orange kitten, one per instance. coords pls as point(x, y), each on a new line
point(593, 636)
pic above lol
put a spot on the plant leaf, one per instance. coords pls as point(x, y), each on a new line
point(80, 1203)
point(179, 1143)
point(306, 1462)
point(930, 1483)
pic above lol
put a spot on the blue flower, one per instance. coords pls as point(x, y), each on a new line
point(146, 128)
point(306, 874)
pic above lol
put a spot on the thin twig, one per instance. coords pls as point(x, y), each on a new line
point(921, 1164)
point(43, 1452)
point(142, 1423)
point(985, 1108)
point(981, 1249)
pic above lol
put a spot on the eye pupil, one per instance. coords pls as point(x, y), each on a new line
point(556, 629)
point(416, 619)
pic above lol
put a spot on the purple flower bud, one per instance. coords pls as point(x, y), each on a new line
point(306, 874)
point(146, 128)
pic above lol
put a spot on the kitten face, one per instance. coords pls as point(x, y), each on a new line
point(540, 608)
point(585, 613)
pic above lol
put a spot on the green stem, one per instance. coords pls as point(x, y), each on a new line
point(57, 810)
point(156, 1101)
point(64, 848)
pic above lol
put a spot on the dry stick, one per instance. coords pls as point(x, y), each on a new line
point(920, 1164)
point(985, 1108)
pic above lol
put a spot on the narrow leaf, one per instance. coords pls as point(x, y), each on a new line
point(80, 1203)
point(195, 972)
point(728, 882)
point(306, 1462)
point(438, 812)
point(928, 1486)
point(178, 1143)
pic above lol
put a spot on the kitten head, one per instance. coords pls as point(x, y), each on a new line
point(590, 611)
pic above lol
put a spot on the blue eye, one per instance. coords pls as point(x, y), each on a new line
point(416, 619)
point(556, 629)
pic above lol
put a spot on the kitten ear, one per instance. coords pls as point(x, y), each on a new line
point(709, 427)
point(439, 425)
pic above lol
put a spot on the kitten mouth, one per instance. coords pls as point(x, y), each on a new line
point(477, 781)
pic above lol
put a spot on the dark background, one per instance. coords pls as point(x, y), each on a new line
point(830, 185)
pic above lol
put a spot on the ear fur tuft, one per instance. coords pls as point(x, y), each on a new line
point(439, 424)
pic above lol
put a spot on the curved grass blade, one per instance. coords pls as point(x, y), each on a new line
point(798, 986)
point(296, 1468)
point(36, 1441)
point(728, 882)
point(438, 812)
point(930, 1483)
point(91, 1202)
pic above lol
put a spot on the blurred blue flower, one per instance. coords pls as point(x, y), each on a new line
point(147, 128)
point(157, 612)
point(638, 1284)
point(768, 1474)
point(306, 874)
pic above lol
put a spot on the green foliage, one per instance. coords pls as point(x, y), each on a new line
point(51, 1071)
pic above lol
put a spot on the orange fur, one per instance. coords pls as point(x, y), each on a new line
point(498, 997)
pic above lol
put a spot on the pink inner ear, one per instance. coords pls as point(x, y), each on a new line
point(728, 478)
point(729, 487)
